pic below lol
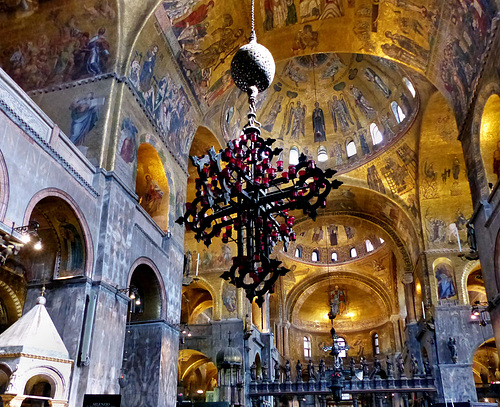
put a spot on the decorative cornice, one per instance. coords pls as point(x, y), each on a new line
point(31, 356)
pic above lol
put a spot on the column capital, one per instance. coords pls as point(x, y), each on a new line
point(407, 278)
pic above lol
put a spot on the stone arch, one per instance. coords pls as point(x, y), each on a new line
point(87, 235)
point(489, 138)
point(148, 262)
point(152, 185)
point(49, 373)
point(497, 260)
point(479, 174)
point(308, 285)
point(484, 361)
point(5, 374)
point(203, 284)
point(146, 283)
point(12, 296)
point(200, 367)
point(4, 187)
point(462, 284)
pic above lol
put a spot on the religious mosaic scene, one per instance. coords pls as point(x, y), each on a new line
point(255, 203)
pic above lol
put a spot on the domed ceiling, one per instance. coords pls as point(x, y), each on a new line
point(324, 101)
point(334, 234)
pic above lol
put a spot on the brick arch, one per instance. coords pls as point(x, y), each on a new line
point(87, 236)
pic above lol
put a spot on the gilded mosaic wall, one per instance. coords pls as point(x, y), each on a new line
point(153, 76)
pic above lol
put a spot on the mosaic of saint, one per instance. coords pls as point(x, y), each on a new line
point(349, 104)
point(165, 100)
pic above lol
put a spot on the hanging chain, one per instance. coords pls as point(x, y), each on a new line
point(253, 37)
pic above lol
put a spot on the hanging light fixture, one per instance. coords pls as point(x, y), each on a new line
point(248, 201)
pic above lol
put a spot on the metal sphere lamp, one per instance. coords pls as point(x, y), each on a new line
point(242, 197)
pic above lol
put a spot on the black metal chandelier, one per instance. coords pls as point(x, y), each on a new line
point(242, 197)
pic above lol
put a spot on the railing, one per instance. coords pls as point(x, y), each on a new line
point(351, 386)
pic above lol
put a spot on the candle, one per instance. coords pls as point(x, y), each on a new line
point(423, 310)
point(458, 240)
point(197, 264)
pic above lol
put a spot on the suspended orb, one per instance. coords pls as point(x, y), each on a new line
point(253, 65)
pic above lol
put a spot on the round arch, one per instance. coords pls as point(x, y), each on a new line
point(152, 185)
point(146, 283)
point(49, 373)
point(470, 267)
point(87, 235)
point(203, 284)
point(308, 285)
point(484, 140)
point(196, 370)
point(148, 262)
point(489, 139)
point(4, 187)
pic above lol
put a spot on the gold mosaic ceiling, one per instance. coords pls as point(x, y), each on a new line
point(322, 102)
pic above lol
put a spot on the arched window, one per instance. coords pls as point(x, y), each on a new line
point(354, 253)
point(398, 112)
point(307, 347)
point(350, 148)
point(377, 136)
point(410, 87)
point(334, 256)
point(322, 154)
point(382, 241)
point(293, 158)
point(298, 252)
point(341, 344)
point(315, 256)
point(376, 347)
point(369, 246)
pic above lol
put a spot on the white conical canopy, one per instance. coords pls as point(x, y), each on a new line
point(35, 334)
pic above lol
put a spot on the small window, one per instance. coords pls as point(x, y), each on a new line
point(293, 159)
point(315, 256)
point(382, 241)
point(342, 348)
point(307, 347)
point(398, 112)
point(334, 256)
point(298, 252)
point(376, 347)
point(354, 253)
point(369, 246)
point(322, 154)
point(377, 136)
point(350, 148)
point(410, 87)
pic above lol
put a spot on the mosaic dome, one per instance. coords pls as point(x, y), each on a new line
point(339, 109)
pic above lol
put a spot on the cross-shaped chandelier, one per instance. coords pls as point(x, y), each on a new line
point(242, 197)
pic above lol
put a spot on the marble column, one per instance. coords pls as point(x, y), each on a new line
point(409, 298)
